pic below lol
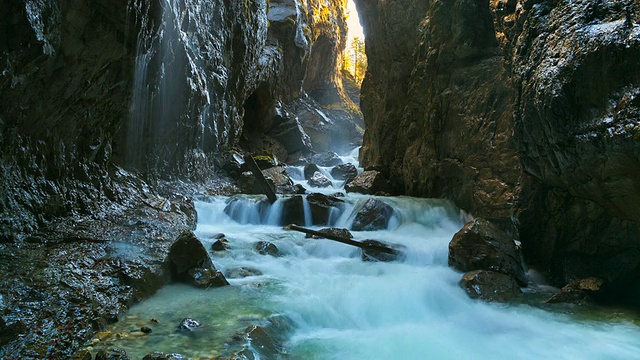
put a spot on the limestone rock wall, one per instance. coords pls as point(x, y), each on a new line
point(524, 112)
point(161, 89)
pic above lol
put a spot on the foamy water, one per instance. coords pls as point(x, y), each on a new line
point(339, 307)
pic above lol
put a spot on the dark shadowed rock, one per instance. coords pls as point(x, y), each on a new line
point(326, 158)
point(207, 278)
point(580, 291)
point(343, 233)
point(369, 182)
point(262, 341)
point(267, 248)
point(186, 253)
point(346, 172)
point(479, 245)
point(156, 355)
point(322, 206)
point(220, 245)
point(490, 286)
point(292, 136)
point(248, 184)
point(293, 210)
point(11, 332)
point(372, 251)
point(112, 354)
point(373, 215)
point(82, 355)
point(319, 180)
point(309, 170)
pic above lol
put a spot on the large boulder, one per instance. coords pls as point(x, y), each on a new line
point(373, 215)
point(490, 285)
point(309, 170)
point(187, 253)
point(369, 182)
point(322, 207)
point(326, 158)
point(293, 210)
point(480, 245)
point(346, 172)
point(319, 180)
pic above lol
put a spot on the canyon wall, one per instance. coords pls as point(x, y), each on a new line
point(523, 112)
point(159, 88)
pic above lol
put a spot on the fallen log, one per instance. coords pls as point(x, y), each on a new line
point(255, 169)
point(372, 250)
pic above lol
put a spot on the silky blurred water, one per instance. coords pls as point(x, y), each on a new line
point(340, 307)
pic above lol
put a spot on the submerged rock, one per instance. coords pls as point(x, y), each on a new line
point(373, 215)
point(479, 245)
point(112, 354)
point(242, 272)
point(188, 324)
point(490, 286)
point(369, 182)
point(319, 180)
point(157, 355)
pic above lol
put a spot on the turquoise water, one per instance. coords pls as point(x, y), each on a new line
point(338, 307)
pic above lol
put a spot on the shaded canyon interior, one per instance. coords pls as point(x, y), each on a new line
point(523, 112)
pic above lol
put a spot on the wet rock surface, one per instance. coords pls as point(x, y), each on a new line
point(345, 172)
point(72, 279)
point(187, 253)
point(490, 286)
point(343, 233)
point(480, 245)
point(581, 291)
point(369, 182)
point(163, 356)
point(322, 206)
point(267, 248)
point(373, 215)
point(544, 144)
point(327, 158)
point(318, 179)
point(207, 278)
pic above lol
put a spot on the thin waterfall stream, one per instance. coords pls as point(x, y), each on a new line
point(323, 302)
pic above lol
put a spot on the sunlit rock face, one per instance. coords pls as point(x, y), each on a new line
point(161, 89)
point(523, 112)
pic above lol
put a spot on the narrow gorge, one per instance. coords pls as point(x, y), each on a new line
point(495, 138)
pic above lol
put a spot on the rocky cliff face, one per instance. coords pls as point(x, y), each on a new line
point(160, 88)
point(524, 112)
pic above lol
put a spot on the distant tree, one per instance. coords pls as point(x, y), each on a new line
point(359, 59)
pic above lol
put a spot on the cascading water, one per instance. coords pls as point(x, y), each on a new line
point(328, 304)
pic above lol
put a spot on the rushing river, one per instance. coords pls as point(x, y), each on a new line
point(328, 304)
